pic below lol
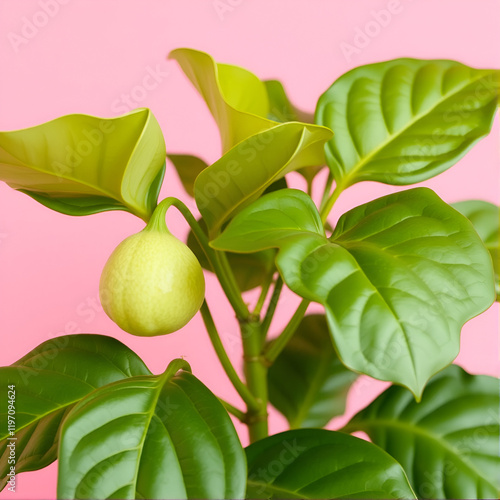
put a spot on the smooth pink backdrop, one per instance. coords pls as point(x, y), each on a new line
point(87, 53)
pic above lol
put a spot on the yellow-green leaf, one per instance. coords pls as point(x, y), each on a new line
point(236, 98)
point(247, 170)
point(81, 164)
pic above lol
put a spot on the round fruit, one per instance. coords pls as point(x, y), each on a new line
point(152, 284)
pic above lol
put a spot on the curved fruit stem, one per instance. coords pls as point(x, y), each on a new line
point(234, 297)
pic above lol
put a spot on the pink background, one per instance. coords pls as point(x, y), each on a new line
point(91, 52)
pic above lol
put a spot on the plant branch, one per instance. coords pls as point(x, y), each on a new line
point(238, 384)
point(239, 306)
point(326, 192)
point(327, 208)
point(263, 294)
point(309, 182)
point(271, 308)
point(274, 349)
point(240, 415)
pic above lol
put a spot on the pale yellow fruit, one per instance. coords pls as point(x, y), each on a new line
point(152, 284)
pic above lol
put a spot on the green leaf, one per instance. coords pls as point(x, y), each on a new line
point(485, 218)
point(250, 270)
point(81, 164)
point(236, 98)
point(307, 383)
point(49, 381)
point(447, 443)
point(316, 463)
point(188, 167)
point(398, 278)
point(161, 437)
point(406, 120)
point(272, 221)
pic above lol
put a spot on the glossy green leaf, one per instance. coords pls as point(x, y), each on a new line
point(485, 218)
point(163, 437)
point(188, 167)
point(447, 443)
point(406, 120)
point(250, 270)
point(49, 381)
point(272, 221)
point(307, 383)
point(81, 164)
point(316, 463)
point(398, 278)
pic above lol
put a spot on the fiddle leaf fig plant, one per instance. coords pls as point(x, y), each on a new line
point(395, 279)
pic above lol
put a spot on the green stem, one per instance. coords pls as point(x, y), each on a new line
point(266, 323)
point(274, 349)
point(263, 294)
point(256, 377)
point(310, 186)
point(240, 415)
point(326, 192)
point(238, 384)
point(327, 208)
point(233, 295)
point(241, 310)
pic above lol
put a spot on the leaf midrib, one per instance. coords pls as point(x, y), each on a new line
point(392, 311)
point(275, 489)
point(161, 381)
point(412, 427)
